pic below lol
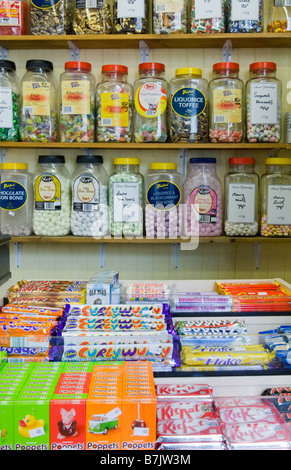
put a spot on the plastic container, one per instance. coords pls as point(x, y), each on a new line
point(89, 183)
point(52, 197)
point(241, 190)
point(263, 103)
point(126, 198)
point(114, 102)
point(15, 17)
point(16, 199)
point(10, 102)
point(276, 198)
point(170, 17)
point(53, 17)
point(278, 16)
point(77, 103)
point(38, 111)
point(151, 95)
point(226, 104)
point(130, 17)
point(245, 17)
point(163, 194)
point(189, 106)
point(202, 199)
point(208, 17)
point(92, 17)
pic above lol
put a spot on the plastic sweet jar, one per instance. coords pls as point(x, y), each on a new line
point(114, 102)
point(131, 17)
point(170, 17)
point(10, 102)
point(241, 190)
point(15, 17)
point(163, 199)
point(278, 20)
point(38, 110)
point(89, 184)
point(16, 199)
point(52, 197)
point(226, 104)
point(189, 106)
point(263, 103)
point(202, 199)
point(92, 19)
point(151, 94)
point(276, 198)
point(53, 17)
point(245, 17)
point(77, 103)
point(208, 17)
point(126, 198)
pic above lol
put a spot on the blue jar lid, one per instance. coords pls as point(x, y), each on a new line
point(202, 160)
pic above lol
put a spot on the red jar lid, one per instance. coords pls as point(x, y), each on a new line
point(114, 68)
point(263, 65)
point(241, 161)
point(151, 65)
point(78, 66)
point(226, 65)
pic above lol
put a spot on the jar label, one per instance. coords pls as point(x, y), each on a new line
point(279, 205)
point(36, 98)
point(10, 13)
point(86, 193)
point(241, 203)
point(203, 200)
point(264, 103)
point(133, 9)
point(168, 6)
point(227, 106)
point(13, 195)
point(47, 192)
point(206, 10)
point(126, 202)
point(45, 4)
point(115, 109)
point(247, 10)
point(188, 102)
point(6, 108)
point(75, 97)
point(151, 100)
point(163, 195)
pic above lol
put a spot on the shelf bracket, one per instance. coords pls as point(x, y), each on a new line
point(102, 254)
point(18, 248)
point(3, 53)
point(2, 155)
point(257, 254)
point(144, 52)
point(184, 154)
point(227, 51)
point(176, 248)
point(74, 51)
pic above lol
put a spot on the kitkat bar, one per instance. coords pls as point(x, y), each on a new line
point(169, 391)
point(185, 409)
point(190, 430)
point(258, 436)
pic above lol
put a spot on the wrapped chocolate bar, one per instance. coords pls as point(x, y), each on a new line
point(201, 430)
point(200, 302)
point(175, 391)
point(188, 409)
point(117, 310)
point(257, 436)
point(147, 292)
point(37, 311)
point(211, 327)
point(184, 446)
point(24, 346)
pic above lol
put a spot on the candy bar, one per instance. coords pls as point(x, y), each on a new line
point(257, 436)
point(190, 409)
point(117, 310)
point(174, 391)
point(211, 327)
point(189, 430)
point(190, 357)
point(248, 414)
point(192, 446)
point(13, 309)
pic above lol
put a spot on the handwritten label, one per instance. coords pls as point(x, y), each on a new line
point(245, 10)
point(264, 103)
point(205, 9)
point(279, 205)
point(6, 108)
point(126, 202)
point(241, 203)
point(132, 9)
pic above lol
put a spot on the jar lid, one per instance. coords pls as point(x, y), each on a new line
point(163, 166)
point(114, 68)
point(51, 159)
point(78, 65)
point(126, 161)
point(243, 161)
point(188, 71)
point(263, 65)
point(38, 63)
point(151, 65)
point(278, 161)
point(7, 64)
point(14, 166)
point(202, 160)
point(226, 65)
point(89, 159)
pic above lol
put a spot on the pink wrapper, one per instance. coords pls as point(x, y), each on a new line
point(189, 430)
point(185, 410)
point(248, 414)
point(257, 436)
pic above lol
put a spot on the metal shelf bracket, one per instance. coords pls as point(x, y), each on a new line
point(176, 249)
point(102, 254)
point(257, 254)
point(18, 248)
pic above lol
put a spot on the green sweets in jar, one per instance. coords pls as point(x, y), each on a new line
point(9, 102)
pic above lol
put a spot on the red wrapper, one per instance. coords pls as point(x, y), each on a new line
point(257, 436)
point(185, 410)
point(189, 430)
point(169, 391)
point(248, 414)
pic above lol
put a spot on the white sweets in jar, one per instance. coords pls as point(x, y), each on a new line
point(52, 197)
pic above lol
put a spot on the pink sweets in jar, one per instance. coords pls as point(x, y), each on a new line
point(202, 199)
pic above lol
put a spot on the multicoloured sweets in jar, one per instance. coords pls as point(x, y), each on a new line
point(151, 93)
point(245, 17)
point(163, 190)
point(208, 17)
point(263, 103)
point(189, 106)
point(126, 198)
point(77, 106)
point(241, 187)
point(9, 102)
point(114, 102)
point(130, 17)
point(276, 198)
point(170, 17)
point(38, 109)
point(226, 104)
point(92, 17)
point(202, 199)
point(15, 16)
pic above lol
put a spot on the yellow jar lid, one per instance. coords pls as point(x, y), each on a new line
point(14, 166)
point(188, 71)
point(126, 161)
point(278, 161)
point(163, 166)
